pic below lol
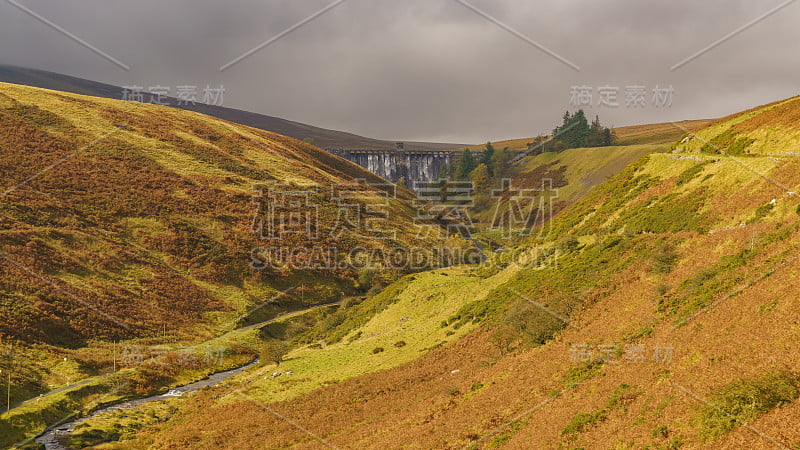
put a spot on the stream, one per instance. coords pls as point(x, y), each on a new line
point(55, 436)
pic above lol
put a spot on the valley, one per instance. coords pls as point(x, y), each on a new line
point(645, 299)
point(673, 282)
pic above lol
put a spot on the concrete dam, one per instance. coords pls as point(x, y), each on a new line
point(392, 165)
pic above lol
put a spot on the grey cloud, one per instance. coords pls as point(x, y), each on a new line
point(423, 69)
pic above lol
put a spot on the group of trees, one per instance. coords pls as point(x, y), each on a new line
point(575, 131)
point(490, 165)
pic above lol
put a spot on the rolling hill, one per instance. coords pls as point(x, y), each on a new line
point(152, 225)
point(573, 173)
point(658, 133)
point(95, 190)
point(667, 318)
point(321, 137)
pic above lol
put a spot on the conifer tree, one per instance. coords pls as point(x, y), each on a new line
point(487, 156)
point(466, 165)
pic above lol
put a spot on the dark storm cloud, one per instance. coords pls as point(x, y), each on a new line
point(424, 69)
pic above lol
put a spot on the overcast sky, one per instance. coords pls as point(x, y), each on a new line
point(425, 69)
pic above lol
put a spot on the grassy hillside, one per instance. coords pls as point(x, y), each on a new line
point(134, 222)
point(322, 137)
point(668, 320)
point(659, 133)
point(573, 173)
point(769, 130)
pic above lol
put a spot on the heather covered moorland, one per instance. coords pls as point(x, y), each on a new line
point(469, 224)
point(665, 320)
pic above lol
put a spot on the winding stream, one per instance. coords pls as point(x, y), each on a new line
point(54, 437)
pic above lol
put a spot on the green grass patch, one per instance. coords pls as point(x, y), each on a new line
point(404, 321)
point(622, 395)
point(690, 173)
point(761, 212)
point(583, 372)
point(583, 421)
point(744, 401)
point(727, 143)
point(712, 283)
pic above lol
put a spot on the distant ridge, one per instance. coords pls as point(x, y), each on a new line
point(654, 133)
point(322, 137)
